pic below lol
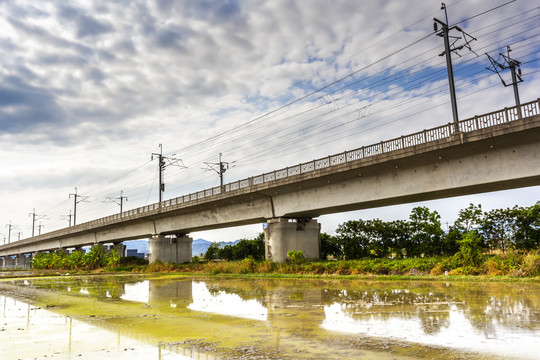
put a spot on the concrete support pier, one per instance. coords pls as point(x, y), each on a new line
point(121, 248)
point(283, 235)
point(176, 249)
point(9, 261)
point(22, 260)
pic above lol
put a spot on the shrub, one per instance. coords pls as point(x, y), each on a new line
point(531, 263)
point(470, 248)
point(493, 267)
point(132, 260)
point(436, 270)
point(296, 256)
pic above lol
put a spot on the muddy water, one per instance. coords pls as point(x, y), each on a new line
point(128, 317)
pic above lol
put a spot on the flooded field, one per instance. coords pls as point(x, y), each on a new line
point(136, 317)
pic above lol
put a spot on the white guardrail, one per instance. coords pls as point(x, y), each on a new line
point(475, 123)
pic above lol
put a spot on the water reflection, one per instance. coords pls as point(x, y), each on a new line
point(299, 316)
point(224, 303)
point(449, 328)
point(36, 333)
point(139, 292)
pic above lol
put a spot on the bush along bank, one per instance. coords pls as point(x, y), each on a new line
point(500, 242)
point(95, 258)
point(512, 263)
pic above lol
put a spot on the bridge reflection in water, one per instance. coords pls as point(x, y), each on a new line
point(286, 316)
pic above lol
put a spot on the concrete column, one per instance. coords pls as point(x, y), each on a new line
point(173, 250)
point(29, 259)
point(282, 235)
point(23, 260)
point(121, 248)
point(10, 261)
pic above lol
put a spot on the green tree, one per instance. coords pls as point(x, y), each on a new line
point(110, 258)
point(329, 247)
point(451, 241)
point(426, 232)
point(499, 227)
point(92, 259)
point(383, 236)
point(212, 252)
point(402, 242)
point(354, 239)
point(226, 253)
point(469, 219)
point(470, 248)
point(249, 249)
point(243, 249)
point(527, 232)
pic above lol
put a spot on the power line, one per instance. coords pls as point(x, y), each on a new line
point(484, 12)
point(118, 200)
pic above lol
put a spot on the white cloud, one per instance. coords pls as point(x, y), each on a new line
point(89, 89)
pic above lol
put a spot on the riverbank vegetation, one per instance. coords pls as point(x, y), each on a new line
point(500, 242)
point(95, 258)
point(512, 263)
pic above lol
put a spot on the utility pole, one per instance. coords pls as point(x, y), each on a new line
point(448, 49)
point(76, 199)
point(163, 162)
point(39, 228)
point(10, 227)
point(19, 236)
point(67, 217)
point(219, 167)
point(34, 218)
point(513, 65)
point(118, 200)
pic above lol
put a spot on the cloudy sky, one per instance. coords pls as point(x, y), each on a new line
point(90, 89)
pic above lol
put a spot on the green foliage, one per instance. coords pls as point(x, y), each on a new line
point(329, 247)
point(243, 249)
point(212, 252)
point(527, 234)
point(498, 227)
point(426, 232)
point(531, 263)
point(470, 249)
point(296, 256)
point(422, 235)
point(94, 258)
point(354, 238)
point(132, 260)
point(469, 219)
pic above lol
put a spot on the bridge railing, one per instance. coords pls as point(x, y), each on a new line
point(499, 117)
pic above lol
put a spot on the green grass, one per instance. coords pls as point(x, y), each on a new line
point(508, 266)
